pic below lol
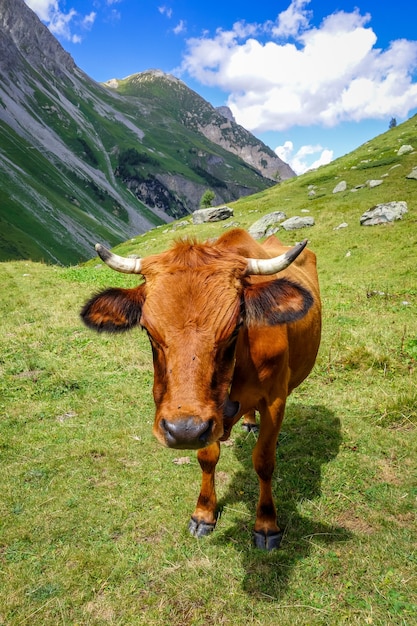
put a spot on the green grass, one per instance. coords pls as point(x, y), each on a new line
point(67, 202)
point(94, 512)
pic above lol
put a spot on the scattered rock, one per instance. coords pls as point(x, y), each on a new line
point(183, 224)
point(342, 225)
point(405, 149)
point(182, 460)
point(413, 173)
point(375, 292)
point(374, 183)
point(231, 225)
point(267, 225)
point(384, 213)
point(66, 416)
point(212, 214)
point(294, 223)
point(342, 186)
point(31, 374)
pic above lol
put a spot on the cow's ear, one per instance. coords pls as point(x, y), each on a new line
point(114, 310)
point(275, 302)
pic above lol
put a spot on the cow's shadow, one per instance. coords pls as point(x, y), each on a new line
point(310, 437)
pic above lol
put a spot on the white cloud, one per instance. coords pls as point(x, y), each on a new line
point(290, 73)
point(165, 10)
point(285, 152)
point(299, 160)
point(291, 21)
point(88, 20)
point(179, 28)
point(62, 24)
point(43, 8)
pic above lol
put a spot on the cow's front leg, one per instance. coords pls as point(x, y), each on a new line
point(203, 520)
point(267, 535)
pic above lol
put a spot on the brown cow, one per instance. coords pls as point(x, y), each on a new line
point(226, 340)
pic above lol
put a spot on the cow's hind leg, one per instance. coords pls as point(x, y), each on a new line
point(203, 520)
point(267, 535)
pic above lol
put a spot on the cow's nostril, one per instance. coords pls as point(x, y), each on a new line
point(205, 434)
point(186, 433)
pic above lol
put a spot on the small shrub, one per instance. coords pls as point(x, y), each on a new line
point(207, 199)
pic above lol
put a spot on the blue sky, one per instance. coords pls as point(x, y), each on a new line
point(313, 79)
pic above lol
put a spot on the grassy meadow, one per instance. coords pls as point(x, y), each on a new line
point(94, 512)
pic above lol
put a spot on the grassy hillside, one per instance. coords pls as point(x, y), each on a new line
point(374, 160)
point(94, 511)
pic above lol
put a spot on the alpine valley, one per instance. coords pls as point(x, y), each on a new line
point(82, 162)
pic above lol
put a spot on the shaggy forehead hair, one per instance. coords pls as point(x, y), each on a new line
point(190, 254)
point(194, 285)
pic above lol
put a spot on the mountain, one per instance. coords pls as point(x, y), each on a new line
point(82, 161)
point(175, 101)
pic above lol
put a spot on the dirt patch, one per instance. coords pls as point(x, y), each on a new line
point(404, 520)
point(222, 478)
point(388, 472)
point(351, 521)
point(100, 609)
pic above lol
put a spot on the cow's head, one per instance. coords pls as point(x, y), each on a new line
point(193, 304)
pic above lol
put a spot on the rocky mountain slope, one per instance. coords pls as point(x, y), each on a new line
point(81, 162)
point(192, 111)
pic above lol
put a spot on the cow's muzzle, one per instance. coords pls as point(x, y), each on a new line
point(187, 433)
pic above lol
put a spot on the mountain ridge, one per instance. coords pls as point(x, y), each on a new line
point(216, 123)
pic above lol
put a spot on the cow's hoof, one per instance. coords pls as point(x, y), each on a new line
point(250, 428)
point(268, 541)
point(200, 529)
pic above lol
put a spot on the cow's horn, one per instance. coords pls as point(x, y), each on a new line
point(118, 263)
point(276, 264)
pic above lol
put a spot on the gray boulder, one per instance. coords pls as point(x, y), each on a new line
point(267, 225)
point(294, 223)
point(342, 186)
point(212, 214)
point(405, 149)
point(374, 183)
point(384, 213)
point(413, 173)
